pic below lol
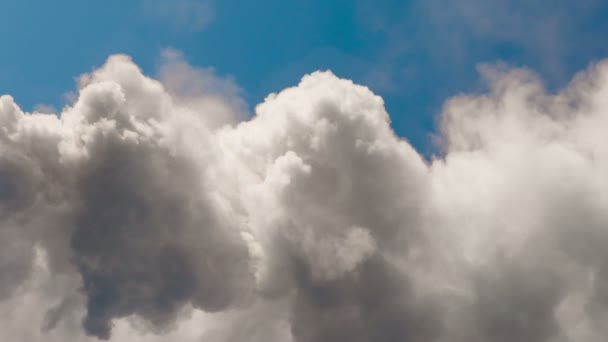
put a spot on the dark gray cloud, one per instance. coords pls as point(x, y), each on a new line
point(148, 238)
point(375, 303)
point(141, 253)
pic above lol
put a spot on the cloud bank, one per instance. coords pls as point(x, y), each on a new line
point(151, 210)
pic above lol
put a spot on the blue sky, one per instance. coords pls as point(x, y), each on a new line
point(413, 53)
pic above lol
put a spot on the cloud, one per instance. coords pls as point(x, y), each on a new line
point(138, 215)
point(152, 210)
point(547, 35)
point(425, 51)
point(201, 90)
point(181, 15)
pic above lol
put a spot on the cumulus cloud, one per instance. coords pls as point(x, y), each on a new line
point(153, 210)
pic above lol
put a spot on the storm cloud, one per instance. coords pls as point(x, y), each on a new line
point(155, 210)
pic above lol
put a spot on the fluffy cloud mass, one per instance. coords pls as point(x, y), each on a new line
point(152, 210)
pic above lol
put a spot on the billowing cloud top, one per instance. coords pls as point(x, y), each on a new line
point(148, 211)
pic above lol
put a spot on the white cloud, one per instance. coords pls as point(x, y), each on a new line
point(150, 210)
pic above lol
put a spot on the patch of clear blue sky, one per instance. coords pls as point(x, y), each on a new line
point(414, 53)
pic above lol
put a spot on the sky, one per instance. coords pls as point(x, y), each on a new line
point(365, 171)
point(413, 53)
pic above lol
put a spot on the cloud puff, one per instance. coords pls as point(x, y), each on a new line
point(151, 210)
point(200, 90)
point(138, 213)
